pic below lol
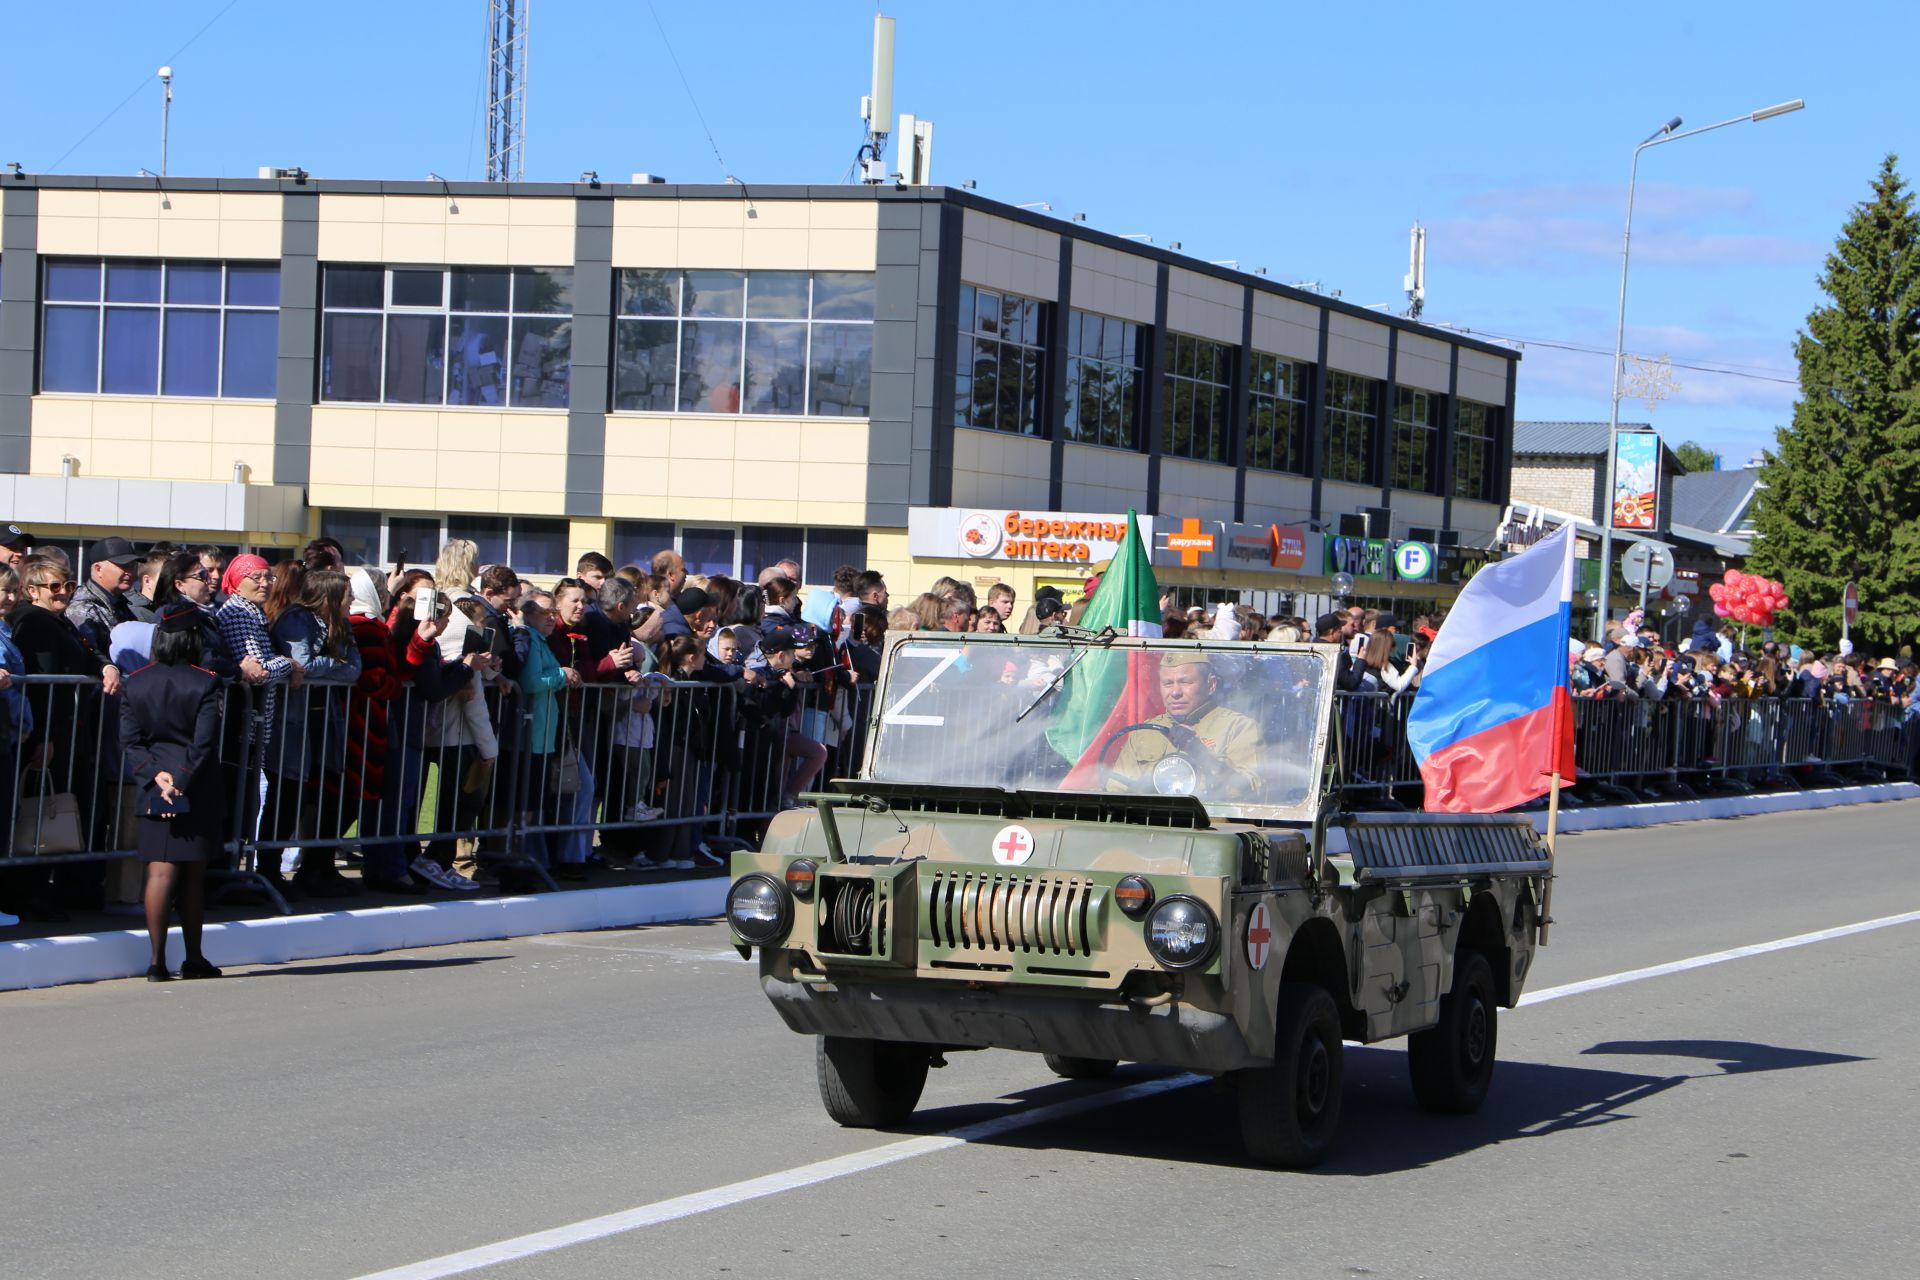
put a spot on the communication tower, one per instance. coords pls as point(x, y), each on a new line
point(506, 90)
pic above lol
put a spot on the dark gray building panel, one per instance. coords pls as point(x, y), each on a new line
point(1452, 421)
point(1383, 433)
point(1317, 431)
point(1237, 419)
point(1053, 418)
point(587, 389)
point(296, 380)
point(19, 324)
point(906, 310)
point(937, 489)
point(1156, 385)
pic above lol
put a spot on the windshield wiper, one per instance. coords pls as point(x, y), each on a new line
point(1103, 638)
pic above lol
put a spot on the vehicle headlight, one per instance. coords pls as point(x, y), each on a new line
point(1175, 776)
point(1181, 932)
point(758, 909)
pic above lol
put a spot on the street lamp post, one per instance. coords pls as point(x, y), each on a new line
point(166, 110)
point(1665, 133)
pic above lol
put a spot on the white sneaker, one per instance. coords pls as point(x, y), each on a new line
point(643, 813)
point(641, 862)
point(709, 857)
point(680, 864)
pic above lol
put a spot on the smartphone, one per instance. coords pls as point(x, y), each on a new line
point(426, 603)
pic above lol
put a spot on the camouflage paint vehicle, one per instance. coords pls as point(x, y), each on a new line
point(1103, 849)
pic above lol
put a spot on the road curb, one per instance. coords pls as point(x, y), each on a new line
point(97, 957)
point(1624, 816)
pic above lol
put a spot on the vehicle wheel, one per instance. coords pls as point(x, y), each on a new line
point(869, 1084)
point(1290, 1110)
point(1068, 1067)
point(1452, 1062)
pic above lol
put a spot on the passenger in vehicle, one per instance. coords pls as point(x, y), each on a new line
point(1222, 743)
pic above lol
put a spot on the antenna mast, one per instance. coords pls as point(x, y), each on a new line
point(506, 90)
point(1416, 283)
point(876, 108)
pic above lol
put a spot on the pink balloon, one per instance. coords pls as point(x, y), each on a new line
point(1732, 577)
point(1721, 611)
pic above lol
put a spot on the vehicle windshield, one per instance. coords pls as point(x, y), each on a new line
point(1239, 726)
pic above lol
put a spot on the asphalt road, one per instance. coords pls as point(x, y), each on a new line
point(1749, 1118)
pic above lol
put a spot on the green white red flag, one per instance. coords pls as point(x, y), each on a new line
point(1107, 691)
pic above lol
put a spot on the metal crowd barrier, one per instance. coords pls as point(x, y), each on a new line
point(659, 769)
point(1631, 747)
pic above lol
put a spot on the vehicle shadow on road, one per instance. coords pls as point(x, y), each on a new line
point(1382, 1130)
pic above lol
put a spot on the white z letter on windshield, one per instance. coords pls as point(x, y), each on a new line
point(896, 714)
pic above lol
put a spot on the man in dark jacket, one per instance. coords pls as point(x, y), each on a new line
point(100, 604)
point(1336, 629)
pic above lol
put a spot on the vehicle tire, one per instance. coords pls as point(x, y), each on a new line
point(1068, 1067)
point(1451, 1063)
point(1290, 1111)
point(869, 1084)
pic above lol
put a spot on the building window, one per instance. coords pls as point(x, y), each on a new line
point(1000, 367)
point(1278, 414)
point(741, 553)
point(1199, 384)
point(1416, 441)
point(1476, 433)
point(1105, 379)
point(485, 337)
point(1353, 408)
point(527, 543)
point(772, 343)
point(143, 328)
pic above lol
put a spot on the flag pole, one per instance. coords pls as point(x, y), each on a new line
point(1553, 832)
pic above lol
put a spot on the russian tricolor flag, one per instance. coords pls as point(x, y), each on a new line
point(1492, 721)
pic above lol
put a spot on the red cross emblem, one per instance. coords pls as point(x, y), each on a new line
point(1259, 936)
point(1013, 846)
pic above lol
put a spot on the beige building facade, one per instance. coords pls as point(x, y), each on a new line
point(739, 372)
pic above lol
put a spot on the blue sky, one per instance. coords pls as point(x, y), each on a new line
point(1305, 139)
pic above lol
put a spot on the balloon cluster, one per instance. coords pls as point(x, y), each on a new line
point(1748, 598)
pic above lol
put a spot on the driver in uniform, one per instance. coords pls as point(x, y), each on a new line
point(1222, 743)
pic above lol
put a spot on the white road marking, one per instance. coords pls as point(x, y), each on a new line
point(648, 1215)
point(806, 1175)
point(1717, 957)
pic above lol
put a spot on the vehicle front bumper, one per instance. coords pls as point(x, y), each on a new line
point(1085, 1025)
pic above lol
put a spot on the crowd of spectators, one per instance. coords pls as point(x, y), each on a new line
point(381, 714)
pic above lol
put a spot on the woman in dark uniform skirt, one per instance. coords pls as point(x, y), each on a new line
point(170, 727)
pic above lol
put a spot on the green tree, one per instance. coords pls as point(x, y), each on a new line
point(1842, 483)
point(1694, 456)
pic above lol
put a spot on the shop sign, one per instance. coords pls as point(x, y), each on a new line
point(1192, 543)
point(1360, 557)
point(950, 533)
point(1413, 562)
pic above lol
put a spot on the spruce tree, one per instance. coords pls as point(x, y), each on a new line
point(1842, 484)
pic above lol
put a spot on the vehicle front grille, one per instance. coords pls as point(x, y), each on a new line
point(1008, 912)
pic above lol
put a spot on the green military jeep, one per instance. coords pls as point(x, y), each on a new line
point(1103, 849)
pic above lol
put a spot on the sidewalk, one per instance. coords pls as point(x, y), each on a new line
point(94, 946)
point(97, 947)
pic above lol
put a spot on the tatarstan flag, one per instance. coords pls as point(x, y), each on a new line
point(1108, 690)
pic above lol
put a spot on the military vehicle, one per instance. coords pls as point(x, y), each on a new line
point(1105, 849)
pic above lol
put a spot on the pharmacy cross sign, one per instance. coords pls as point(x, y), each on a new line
point(1013, 846)
point(1190, 541)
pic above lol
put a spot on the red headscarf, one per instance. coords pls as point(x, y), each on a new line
point(239, 567)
